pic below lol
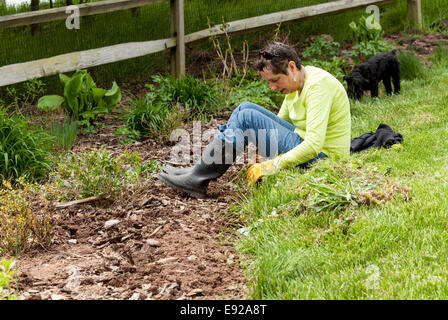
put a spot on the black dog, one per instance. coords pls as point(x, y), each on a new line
point(367, 75)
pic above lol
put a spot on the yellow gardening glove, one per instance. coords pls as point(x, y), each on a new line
point(258, 170)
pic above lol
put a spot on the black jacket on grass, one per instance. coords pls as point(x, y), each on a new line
point(383, 137)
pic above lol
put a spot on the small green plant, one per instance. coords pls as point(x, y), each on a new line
point(7, 278)
point(65, 132)
point(411, 67)
point(82, 98)
point(96, 173)
point(24, 150)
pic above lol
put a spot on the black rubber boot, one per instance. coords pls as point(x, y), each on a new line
point(210, 167)
point(173, 171)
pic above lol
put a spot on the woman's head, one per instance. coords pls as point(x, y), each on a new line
point(276, 57)
point(279, 64)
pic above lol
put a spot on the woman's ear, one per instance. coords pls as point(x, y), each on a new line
point(292, 66)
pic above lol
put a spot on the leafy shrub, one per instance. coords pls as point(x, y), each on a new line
point(24, 151)
point(82, 99)
point(7, 277)
point(21, 225)
point(410, 65)
point(97, 173)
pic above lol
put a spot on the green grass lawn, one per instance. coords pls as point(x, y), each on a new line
point(392, 250)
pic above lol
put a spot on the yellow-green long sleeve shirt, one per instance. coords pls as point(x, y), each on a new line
point(321, 115)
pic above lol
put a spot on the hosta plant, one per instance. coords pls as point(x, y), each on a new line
point(82, 98)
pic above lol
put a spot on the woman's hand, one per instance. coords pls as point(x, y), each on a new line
point(258, 170)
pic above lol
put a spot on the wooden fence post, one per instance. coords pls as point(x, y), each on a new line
point(415, 13)
point(177, 31)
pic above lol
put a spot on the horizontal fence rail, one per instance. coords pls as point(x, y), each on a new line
point(85, 9)
point(284, 17)
point(20, 72)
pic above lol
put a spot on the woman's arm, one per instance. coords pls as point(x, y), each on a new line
point(318, 103)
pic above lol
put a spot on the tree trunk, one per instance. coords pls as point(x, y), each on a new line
point(51, 4)
point(34, 7)
point(69, 2)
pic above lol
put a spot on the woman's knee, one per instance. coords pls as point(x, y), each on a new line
point(248, 105)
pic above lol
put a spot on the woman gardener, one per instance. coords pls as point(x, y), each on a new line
point(313, 123)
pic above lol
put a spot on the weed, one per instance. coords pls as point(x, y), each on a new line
point(21, 224)
point(7, 277)
point(97, 173)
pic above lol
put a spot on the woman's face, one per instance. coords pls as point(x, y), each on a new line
point(281, 82)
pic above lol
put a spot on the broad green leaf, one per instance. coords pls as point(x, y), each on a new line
point(64, 79)
point(71, 92)
point(112, 96)
point(98, 94)
point(88, 82)
point(50, 103)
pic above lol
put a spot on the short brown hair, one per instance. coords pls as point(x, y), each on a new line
point(275, 56)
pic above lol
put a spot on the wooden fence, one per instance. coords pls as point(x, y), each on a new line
point(20, 72)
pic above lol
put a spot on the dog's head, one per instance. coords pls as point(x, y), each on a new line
point(356, 85)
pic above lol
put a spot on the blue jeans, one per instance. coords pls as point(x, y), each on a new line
point(271, 134)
